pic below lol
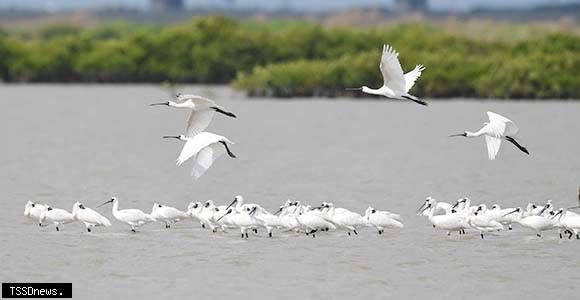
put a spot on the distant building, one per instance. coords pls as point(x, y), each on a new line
point(412, 5)
point(166, 5)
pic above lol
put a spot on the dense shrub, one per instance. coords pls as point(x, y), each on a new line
point(292, 58)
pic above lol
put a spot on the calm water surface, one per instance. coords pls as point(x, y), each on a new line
point(67, 143)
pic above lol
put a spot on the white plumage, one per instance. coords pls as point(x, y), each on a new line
point(396, 85)
point(56, 216)
point(132, 217)
point(206, 148)
point(167, 214)
point(89, 217)
point(34, 210)
point(498, 128)
point(201, 112)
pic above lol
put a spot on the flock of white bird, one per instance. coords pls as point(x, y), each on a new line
point(204, 148)
point(290, 217)
point(462, 216)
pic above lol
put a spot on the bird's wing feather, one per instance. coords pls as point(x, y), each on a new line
point(195, 144)
point(198, 121)
point(205, 159)
point(493, 144)
point(391, 69)
point(412, 76)
point(501, 125)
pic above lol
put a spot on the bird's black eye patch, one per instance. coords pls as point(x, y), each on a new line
point(50, 208)
point(32, 205)
point(160, 205)
point(534, 206)
point(373, 211)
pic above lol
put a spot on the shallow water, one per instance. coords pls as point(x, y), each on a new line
point(67, 143)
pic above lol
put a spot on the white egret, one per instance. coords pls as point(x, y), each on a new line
point(381, 219)
point(56, 216)
point(205, 147)
point(34, 210)
point(396, 85)
point(132, 217)
point(202, 111)
point(167, 214)
point(498, 128)
point(89, 217)
point(570, 221)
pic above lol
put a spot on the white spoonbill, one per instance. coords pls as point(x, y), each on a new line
point(570, 221)
point(56, 216)
point(244, 220)
point(344, 219)
point(89, 217)
point(498, 128)
point(205, 147)
point(312, 220)
point(167, 214)
point(535, 223)
point(396, 85)
point(34, 210)
point(478, 220)
point(202, 111)
point(449, 222)
point(381, 219)
point(132, 217)
point(444, 206)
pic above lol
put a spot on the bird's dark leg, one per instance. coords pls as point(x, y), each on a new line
point(513, 141)
point(57, 228)
point(510, 226)
point(88, 229)
point(228, 149)
point(354, 230)
point(539, 235)
point(270, 234)
point(349, 233)
point(481, 235)
point(571, 234)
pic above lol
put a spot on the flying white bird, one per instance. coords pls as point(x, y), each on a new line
point(396, 84)
point(167, 214)
point(202, 111)
point(34, 210)
point(205, 147)
point(132, 217)
point(55, 216)
point(498, 128)
point(89, 217)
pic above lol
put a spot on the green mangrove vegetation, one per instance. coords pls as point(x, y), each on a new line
point(287, 59)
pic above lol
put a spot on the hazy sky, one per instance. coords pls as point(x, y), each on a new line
point(456, 5)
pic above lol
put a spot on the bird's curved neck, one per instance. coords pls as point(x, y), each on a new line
point(379, 91)
point(477, 133)
point(185, 104)
point(115, 206)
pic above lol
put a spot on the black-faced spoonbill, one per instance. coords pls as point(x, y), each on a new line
point(89, 217)
point(167, 214)
point(396, 85)
point(56, 216)
point(202, 111)
point(381, 219)
point(34, 210)
point(132, 217)
point(205, 147)
point(535, 223)
point(498, 128)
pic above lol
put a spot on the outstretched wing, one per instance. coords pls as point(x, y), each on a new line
point(205, 159)
point(493, 144)
point(198, 121)
point(412, 76)
point(391, 69)
point(500, 125)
